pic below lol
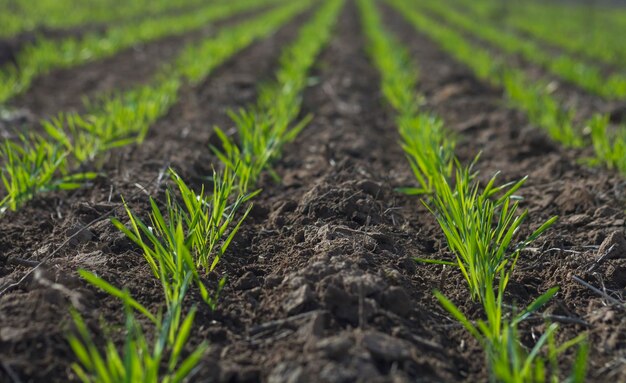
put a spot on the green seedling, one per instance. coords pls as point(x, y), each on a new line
point(429, 150)
point(508, 359)
point(119, 121)
point(33, 166)
point(139, 361)
point(609, 146)
point(188, 238)
point(480, 225)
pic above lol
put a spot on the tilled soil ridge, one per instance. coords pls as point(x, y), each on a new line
point(323, 287)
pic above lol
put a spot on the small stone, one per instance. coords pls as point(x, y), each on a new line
point(254, 293)
point(367, 284)
point(385, 347)
point(370, 187)
point(605, 211)
point(259, 211)
point(614, 246)
point(345, 304)
point(13, 334)
point(79, 235)
point(286, 372)
point(294, 281)
point(616, 275)
point(298, 301)
point(247, 281)
point(396, 300)
point(338, 373)
point(577, 220)
point(334, 347)
point(248, 375)
point(315, 326)
point(277, 216)
point(273, 280)
point(575, 199)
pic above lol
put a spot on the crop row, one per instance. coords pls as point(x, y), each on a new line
point(22, 16)
point(534, 98)
point(560, 25)
point(186, 237)
point(480, 223)
point(587, 76)
point(38, 163)
point(48, 54)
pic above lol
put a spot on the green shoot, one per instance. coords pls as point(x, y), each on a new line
point(609, 146)
point(188, 238)
point(508, 359)
point(139, 361)
point(33, 167)
point(481, 230)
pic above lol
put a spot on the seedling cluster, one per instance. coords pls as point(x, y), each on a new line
point(480, 223)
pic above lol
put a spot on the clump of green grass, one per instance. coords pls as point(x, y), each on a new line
point(34, 165)
point(189, 237)
point(480, 225)
point(140, 361)
point(118, 121)
point(609, 145)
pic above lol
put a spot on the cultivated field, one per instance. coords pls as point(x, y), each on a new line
point(312, 191)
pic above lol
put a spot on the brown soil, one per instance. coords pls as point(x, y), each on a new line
point(322, 285)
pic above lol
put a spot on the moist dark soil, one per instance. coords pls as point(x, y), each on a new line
point(322, 285)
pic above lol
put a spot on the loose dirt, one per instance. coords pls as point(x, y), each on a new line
point(321, 281)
